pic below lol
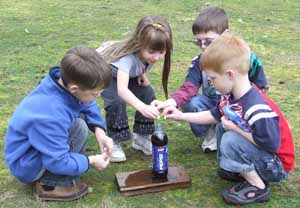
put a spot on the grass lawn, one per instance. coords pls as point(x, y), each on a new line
point(35, 34)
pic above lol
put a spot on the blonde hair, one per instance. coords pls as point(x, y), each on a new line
point(152, 32)
point(227, 52)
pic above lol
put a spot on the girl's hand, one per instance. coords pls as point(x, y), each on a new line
point(143, 81)
point(99, 161)
point(161, 105)
point(172, 113)
point(229, 125)
point(149, 111)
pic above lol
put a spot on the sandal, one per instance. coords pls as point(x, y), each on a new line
point(245, 193)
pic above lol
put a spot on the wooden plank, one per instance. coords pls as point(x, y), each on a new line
point(142, 181)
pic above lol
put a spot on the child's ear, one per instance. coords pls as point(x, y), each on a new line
point(73, 88)
point(230, 73)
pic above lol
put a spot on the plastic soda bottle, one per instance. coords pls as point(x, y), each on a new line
point(159, 141)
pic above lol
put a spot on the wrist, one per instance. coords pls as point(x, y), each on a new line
point(140, 106)
point(172, 102)
point(182, 117)
point(91, 160)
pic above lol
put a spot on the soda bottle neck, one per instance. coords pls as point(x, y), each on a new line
point(159, 127)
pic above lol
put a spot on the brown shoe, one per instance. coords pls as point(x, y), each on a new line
point(61, 193)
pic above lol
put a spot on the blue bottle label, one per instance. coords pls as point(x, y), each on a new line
point(160, 158)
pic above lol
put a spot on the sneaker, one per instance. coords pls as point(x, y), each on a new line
point(143, 143)
point(137, 141)
point(210, 141)
point(245, 193)
point(118, 154)
point(60, 193)
point(230, 176)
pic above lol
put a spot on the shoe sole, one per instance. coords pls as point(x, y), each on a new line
point(147, 153)
point(138, 147)
point(260, 200)
point(207, 150)
point(117, 160)
point(238, 204)
point(71, 198)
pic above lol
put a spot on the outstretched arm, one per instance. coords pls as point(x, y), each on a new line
point(203, 117)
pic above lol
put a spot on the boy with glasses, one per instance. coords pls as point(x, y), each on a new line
point(208, 26)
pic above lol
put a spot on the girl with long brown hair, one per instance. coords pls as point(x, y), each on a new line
point(130, 60)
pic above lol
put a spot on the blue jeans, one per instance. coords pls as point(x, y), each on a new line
point(197, 104)
point(237, 154)
point(78, 135)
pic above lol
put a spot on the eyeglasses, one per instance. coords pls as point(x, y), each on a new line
point(205, 42)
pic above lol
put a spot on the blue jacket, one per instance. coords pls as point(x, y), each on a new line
point(37, 134)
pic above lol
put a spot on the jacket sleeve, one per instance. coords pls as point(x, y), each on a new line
point(93, 116)
point(50, 138)
point(191, 85)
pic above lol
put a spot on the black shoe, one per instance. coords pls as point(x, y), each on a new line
point(230, 176)
point(245, 193)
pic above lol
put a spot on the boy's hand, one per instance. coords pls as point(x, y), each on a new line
point(99, 161)
point(173, 113)
point(106, 145)
point(105, 142)
point(229, 125)
point(149, 111)
point(161, 105)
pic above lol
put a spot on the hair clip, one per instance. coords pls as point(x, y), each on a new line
point(157, 26)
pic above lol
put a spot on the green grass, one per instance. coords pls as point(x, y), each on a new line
point(34, 35)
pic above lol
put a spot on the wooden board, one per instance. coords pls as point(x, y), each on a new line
point(142, 181)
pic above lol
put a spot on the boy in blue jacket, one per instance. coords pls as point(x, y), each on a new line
point(47, 133)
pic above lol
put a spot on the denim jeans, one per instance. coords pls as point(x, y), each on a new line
point(237, 154)
point(78, 135)
point(197, 104)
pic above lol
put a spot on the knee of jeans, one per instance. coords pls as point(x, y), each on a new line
point(193, 105)
point(228, 144)
point(80, 127)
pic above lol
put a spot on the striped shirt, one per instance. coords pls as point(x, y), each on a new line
point(262, 120)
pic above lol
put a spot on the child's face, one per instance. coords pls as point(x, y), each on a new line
point(222, 82)
point(87, 96)
point(204, 39)
point(151, 56)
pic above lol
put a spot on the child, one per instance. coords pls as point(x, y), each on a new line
point(130, 60)
point(209, 25)
point(252, 149)
point(46, 135)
